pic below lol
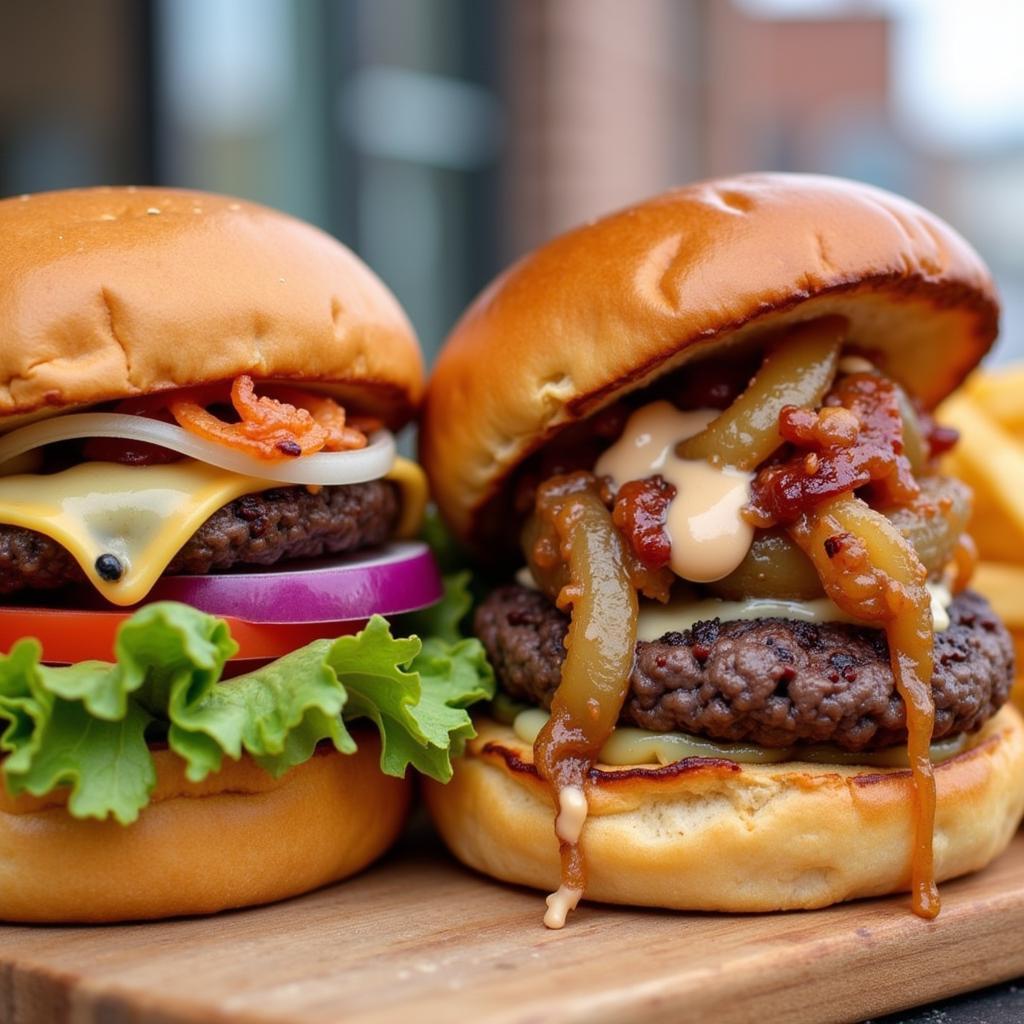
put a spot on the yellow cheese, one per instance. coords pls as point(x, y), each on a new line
point(142, 515)
point(412, 482)
point(630, 747)
point(655, 620)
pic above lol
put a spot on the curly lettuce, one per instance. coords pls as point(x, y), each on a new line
point(85, 727)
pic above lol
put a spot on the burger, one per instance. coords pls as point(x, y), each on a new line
point(203, 522)
point(740, 664)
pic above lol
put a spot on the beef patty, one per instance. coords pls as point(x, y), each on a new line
point(256, 529)
point(773, 682)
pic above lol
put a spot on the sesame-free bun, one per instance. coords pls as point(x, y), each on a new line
point(606, 308)
point(238, 838)
point(114, 292)
point(711, 835)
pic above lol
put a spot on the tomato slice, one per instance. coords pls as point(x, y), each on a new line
point(69, 636)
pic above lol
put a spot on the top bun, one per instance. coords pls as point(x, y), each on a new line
point(114, 292)
point(606, 308)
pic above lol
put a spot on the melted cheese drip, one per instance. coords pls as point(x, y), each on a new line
point(412, 482)
point(709, 537)
point(656, 620)
point(143, 515)
point(630, 747)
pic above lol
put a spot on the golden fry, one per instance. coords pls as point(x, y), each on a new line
point(991, 460)
point(1000, 395)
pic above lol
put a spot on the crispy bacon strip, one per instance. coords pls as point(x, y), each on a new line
point(271, 427)
point(855, 441)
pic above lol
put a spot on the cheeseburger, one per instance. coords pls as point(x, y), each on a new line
point(741, 666)
point(202, 522)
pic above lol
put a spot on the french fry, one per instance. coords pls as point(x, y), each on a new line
point(1001, 396)
point(989, 413)
point(1003, 585)
point(991, 460)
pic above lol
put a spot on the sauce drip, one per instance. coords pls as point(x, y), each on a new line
point(871, 571)
point(572, 524)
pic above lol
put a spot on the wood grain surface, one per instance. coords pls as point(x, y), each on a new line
point(419, 939)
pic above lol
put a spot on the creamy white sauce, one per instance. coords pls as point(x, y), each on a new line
point(856, 364)
point(525, 578)
point(709, 537)
point(572, 813)
point(650, 435)
point(560, 902)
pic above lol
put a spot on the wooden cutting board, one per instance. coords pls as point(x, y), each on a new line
point(418, 939)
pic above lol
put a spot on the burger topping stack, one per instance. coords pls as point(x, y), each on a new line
point(196, 403)
point(806, 447)
point(145, 485)
point(742, 559)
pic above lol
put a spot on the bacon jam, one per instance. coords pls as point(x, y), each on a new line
point(834, 459)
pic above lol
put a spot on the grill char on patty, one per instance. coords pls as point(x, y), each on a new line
point(256, 529)
point(772, 682)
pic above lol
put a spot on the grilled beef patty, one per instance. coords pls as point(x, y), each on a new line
point(256, 529)
point(773, 682)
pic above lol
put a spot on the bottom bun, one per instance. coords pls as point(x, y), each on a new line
point(706, 834)
point(238, 838)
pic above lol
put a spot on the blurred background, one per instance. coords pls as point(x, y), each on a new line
point(442, 138)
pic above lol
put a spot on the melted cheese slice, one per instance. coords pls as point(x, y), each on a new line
point(655, 620)
point(143, 515)
point(628, 746)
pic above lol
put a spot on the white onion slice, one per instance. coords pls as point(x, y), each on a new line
point(352, 467)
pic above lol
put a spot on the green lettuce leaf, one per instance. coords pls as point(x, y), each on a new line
point(443, 620)
point(52, 742)
point(84, 727)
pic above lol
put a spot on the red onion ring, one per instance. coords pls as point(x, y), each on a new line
point(399, 577)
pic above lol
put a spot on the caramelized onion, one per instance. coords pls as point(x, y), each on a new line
point(349, 467)
point(964, 562)
point(599, 658)
point(773, 567)
point(798, 371)
point(915, 444)
point(871, 571)
point(776, 567)
point(935, 520)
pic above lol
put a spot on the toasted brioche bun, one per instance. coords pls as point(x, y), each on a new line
point(238, 838)
point(606, 308)
point(114, 292)
point(712, 835)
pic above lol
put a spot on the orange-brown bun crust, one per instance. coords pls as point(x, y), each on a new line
point(606, 308)
point(712, 835)
point(114, 292)
point(238, 838)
